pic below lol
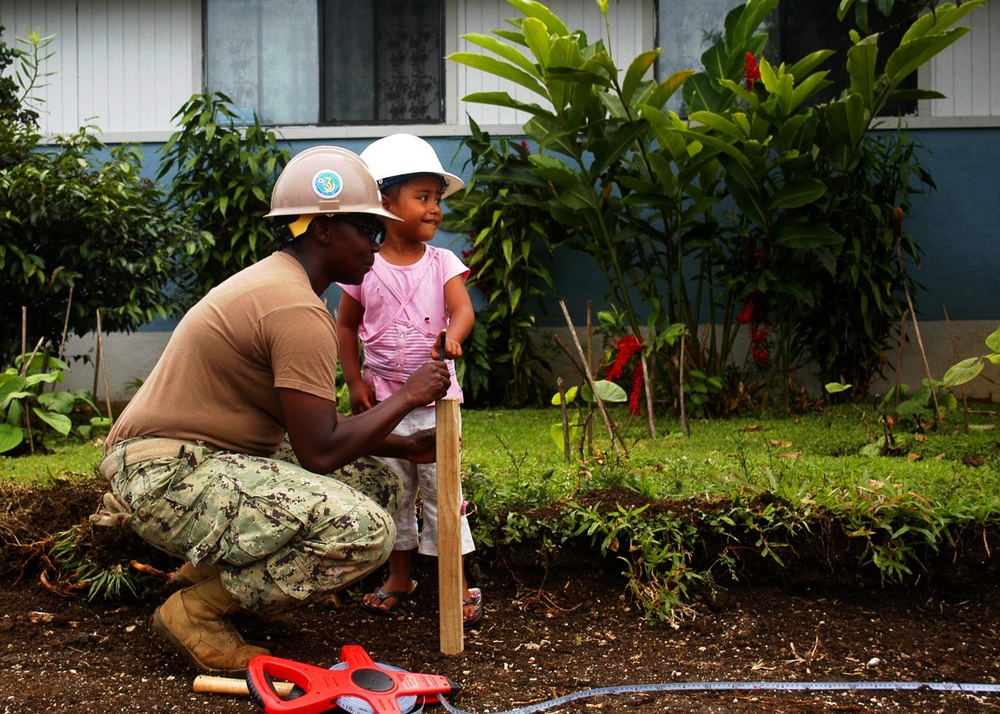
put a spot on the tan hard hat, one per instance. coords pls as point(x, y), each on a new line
point(326, 181)
point(401, 156)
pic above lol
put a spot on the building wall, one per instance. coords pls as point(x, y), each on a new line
point(127, 66)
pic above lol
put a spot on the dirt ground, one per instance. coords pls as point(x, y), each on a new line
point(546, 634)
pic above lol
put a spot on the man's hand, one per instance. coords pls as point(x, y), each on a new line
point(428, 384)
point(421, 446)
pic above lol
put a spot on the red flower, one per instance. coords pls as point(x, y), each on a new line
point(746, 314)
point(760, 355)
point(751, 70)
point(626, 347)
point(635, 395)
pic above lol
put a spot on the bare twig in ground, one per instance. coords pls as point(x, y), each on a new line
point(648, 384)
point(612, 433)
point(62, 339)
point(685, 426)
point(955, 354)
point(104, 367)
point(565, 418)
point(897, 229)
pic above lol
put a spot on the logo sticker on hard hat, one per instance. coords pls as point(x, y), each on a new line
point(327, 184)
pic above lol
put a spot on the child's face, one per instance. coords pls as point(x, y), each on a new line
point(418, 203)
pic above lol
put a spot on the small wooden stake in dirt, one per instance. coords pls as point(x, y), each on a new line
point(449, 484)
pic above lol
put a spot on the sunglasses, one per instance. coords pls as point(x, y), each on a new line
point(374, 231)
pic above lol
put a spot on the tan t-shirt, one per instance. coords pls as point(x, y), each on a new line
point(217, 379)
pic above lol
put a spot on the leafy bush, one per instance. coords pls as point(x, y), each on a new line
point(504, 212)
point(221, 179)
point(83, 232)
point(22, 393)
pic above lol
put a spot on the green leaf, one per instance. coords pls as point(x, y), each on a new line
point(808, 236)
point(10, 437)
point(636, 71)
point(797, 194)
point(570, 396)
point(506, 51)
point(491, 65)
point(993, 341)
point(964, 371)
point(607, 391)
point(532, 9)
point(536, 34)
point(861, 59)
point(502, 99)
point(59, 422)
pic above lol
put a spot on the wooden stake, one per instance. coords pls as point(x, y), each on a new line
point(449, 485)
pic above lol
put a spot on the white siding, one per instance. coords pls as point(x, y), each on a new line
point(968, 72)
point(125, 66)
point(631, 25)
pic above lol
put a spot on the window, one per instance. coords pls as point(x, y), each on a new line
point(328, 61)
point(795, 28)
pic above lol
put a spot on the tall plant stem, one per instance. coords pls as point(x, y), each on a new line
point(685, 427)
point(62, 338)
point(897, 230)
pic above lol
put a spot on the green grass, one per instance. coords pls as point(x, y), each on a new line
point(64, 459)
point(819, 454)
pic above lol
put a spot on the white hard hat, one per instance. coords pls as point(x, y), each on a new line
point(400, 156)
point(325, 181)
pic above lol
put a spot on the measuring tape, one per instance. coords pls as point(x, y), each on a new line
point(964, 687)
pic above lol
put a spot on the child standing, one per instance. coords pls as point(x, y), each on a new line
point(413, 293)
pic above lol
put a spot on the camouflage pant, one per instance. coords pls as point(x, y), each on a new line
point(282, 534)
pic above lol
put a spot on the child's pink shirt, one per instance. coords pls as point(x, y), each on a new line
point(398, 337)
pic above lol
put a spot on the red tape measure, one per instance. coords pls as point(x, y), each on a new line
point(319, 690)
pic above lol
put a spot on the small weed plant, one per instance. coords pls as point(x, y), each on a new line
point(23, 394)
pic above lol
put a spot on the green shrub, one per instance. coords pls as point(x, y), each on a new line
point(221, 178)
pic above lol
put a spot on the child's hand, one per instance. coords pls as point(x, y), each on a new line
point(452, 349)
point(362, 399)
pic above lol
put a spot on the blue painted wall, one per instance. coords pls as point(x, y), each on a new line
point(955, 226)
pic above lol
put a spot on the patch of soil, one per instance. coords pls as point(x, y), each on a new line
point(547, 633)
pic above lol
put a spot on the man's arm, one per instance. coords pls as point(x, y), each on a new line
point(324, 441)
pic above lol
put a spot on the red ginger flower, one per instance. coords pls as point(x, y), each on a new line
point(751, 71)
point(638, 382)
point(626, 348)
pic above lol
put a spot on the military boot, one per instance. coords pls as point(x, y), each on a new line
point(193, 621)
point(189, 574)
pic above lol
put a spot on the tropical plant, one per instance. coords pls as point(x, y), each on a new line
point(647, 194)
point(503, 210)
point(23, 394)
point(221, 175)
point(16, 117)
